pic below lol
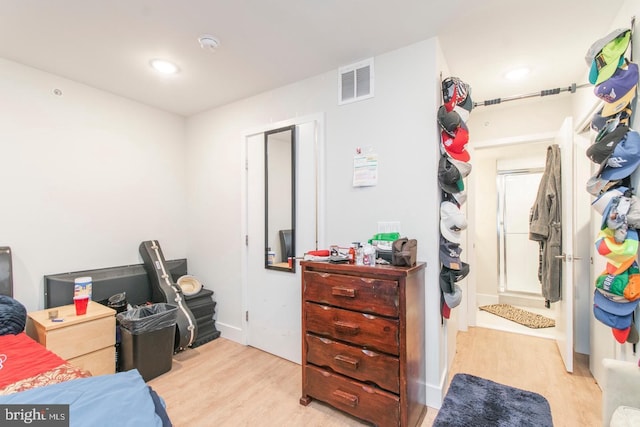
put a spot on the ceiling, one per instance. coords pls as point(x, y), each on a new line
point(265, 44)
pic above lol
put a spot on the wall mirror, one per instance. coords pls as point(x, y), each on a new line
point(280, 202)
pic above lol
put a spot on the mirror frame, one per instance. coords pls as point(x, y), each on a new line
point(281, 266)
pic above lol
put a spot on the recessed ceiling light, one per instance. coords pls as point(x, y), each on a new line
point(517, 73)
point(163, 66)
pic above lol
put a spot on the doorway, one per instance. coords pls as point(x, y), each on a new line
point(506, 178)
point(271, 297)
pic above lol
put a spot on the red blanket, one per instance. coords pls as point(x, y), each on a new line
point(23, 358)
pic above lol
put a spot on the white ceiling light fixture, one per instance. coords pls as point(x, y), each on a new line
point(163, 66)
point(209, 42)
point(517, 73)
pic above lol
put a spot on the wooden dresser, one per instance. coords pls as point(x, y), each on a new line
point(363, 343)
point(86, 341)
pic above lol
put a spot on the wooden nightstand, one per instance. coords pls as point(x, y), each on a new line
point(85, 341)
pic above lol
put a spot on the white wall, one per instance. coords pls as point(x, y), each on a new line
point(85, 176)
point(398, 123)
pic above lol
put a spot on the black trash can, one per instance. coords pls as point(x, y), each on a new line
point(118, 302)
point(147, 336)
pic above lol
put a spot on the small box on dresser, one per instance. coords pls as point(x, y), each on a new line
point(363, 344)
point(86, 341)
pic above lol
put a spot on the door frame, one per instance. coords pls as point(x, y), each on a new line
point(319, 123)
point(468, 317)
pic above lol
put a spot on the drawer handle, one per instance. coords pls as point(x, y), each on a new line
point(348, 398)
point(346, 327)
point(343, 292)
point(348, 361)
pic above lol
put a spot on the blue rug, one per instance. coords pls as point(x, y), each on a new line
point(477, 402)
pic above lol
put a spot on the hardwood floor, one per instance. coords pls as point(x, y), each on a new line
point(223, 383)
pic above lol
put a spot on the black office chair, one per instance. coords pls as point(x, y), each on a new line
point(286, 245)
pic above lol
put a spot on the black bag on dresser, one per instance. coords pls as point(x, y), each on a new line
point(404, 252)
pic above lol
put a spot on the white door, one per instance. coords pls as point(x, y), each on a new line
point(564, 308)
point(273, 298)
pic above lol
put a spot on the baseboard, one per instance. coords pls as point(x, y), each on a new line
point(230, 332)
point(486, 299)
point(521, 300)
point(436, 392)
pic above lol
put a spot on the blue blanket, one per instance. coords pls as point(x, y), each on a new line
point(121, 399)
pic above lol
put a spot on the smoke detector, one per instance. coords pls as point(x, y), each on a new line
point(208, 42)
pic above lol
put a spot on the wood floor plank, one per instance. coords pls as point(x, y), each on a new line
point(224, 383)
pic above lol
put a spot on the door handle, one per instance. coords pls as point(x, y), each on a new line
point(565, 257)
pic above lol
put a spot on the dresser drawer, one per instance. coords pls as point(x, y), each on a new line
point(82, 338)
point(355, 293)
point(372, 332)
point(100, 362)
point(358, 399)
point(364, 365)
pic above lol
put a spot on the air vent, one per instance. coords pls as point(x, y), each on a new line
point(355, 82)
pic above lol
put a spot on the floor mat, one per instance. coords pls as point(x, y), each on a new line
point(479, 402)
point(518, 315)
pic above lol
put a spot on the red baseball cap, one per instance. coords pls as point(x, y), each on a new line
point(446, 311)
point(621, 335)
point(454, 145)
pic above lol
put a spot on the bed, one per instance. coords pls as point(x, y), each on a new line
point(33, 376)
point(25, 364)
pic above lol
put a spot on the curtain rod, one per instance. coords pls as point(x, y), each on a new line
point(546, 92)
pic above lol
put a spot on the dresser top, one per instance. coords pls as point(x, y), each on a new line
point(390, 271)
point(68, 315)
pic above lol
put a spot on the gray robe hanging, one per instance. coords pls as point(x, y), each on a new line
point(545, 226)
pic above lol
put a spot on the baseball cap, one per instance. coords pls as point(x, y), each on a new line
point(614, 251)
point(447, 282)
point(616, 268)
point(615, 214)
point(460, 197)
point(449, 176)
point(618, 90)
point(454, 145)
point(448, 120)
point(446, 311)
point(614, 314)
point(598, 122)
point(463, 167)
point(597, 46)
point(459, 273)
point(605, 54)
point(452, 221)
point(603, 199)
point(621, 335)
point(450, 253)
point(454, 298)
point(454, 92)
point(632, 290)
point(614, 284)
point(625, 158)
point(600, 150)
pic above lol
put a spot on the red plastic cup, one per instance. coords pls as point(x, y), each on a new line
point(81, 302)
point(290, 262)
